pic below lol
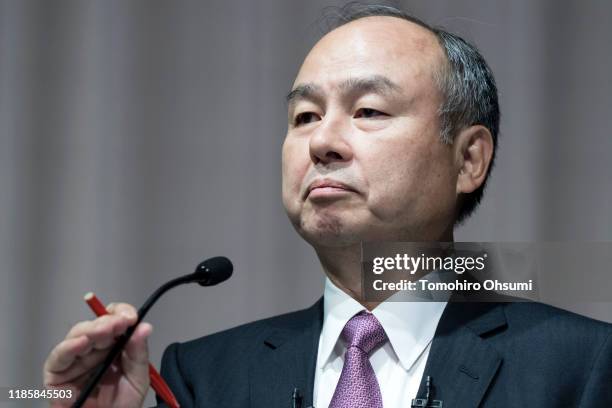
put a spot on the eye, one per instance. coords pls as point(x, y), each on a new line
point(368, 113)
point(305, 118)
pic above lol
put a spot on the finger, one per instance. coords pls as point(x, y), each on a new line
point(83, 365)
point(136, 348)
point(65, 353)
point(102, 331)
point(78, 329)
point(135, 358)
point(87, 326)
point(123, 309)
point(84, 359)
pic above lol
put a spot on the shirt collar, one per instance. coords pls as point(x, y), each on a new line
point(410, 326)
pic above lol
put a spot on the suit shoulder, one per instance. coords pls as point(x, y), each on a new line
point(215, 369)
point(245, 335)
point(546, 318)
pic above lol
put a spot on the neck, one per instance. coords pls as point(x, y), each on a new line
point(342, 265)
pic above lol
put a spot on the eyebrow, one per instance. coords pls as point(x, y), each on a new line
point(304, 91)
point(377, 84)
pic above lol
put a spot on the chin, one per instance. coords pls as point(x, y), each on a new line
point(328, 231)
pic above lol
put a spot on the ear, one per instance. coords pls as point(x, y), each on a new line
point(473, 153)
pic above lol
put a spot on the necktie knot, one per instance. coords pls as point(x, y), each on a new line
point(364, 331)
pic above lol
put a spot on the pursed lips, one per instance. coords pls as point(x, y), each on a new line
point(328, 186)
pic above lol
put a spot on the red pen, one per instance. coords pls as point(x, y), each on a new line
point(157, 382)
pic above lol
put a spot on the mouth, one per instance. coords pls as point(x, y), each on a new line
point(327, 188)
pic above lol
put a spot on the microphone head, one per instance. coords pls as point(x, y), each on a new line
point(213, 271)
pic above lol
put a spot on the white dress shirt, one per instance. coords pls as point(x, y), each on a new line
point(399, 364)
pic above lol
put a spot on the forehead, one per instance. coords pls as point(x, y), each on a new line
point(405, 52)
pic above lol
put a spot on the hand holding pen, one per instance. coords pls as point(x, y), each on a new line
point(71, 362)
point(104, 362)
point(157, 382)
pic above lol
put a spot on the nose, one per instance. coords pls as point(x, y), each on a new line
point(329, 143)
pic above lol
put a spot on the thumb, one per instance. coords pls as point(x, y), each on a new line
point(135, 358)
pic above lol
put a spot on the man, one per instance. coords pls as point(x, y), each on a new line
point(392, 132)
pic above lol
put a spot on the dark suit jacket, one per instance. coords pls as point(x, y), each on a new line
point(483, 355)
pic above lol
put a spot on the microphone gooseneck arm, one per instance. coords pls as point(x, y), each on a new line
point(146, 306)
point(208, 273)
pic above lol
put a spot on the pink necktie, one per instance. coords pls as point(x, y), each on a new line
point(358, 387)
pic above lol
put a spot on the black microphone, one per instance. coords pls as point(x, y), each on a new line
point(296, 398)
point(428, 401)
point(213, 271)
point(208, 273)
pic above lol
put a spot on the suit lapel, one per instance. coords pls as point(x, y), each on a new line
point(460, 362)
point(286, 360)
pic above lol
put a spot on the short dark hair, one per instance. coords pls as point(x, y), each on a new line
point(466, 82)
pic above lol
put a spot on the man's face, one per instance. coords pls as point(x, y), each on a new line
point(362, 159)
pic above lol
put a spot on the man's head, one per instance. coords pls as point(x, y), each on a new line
point(389, 118)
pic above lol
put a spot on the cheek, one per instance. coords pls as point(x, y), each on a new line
point(294, 167)
point(408, 181)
